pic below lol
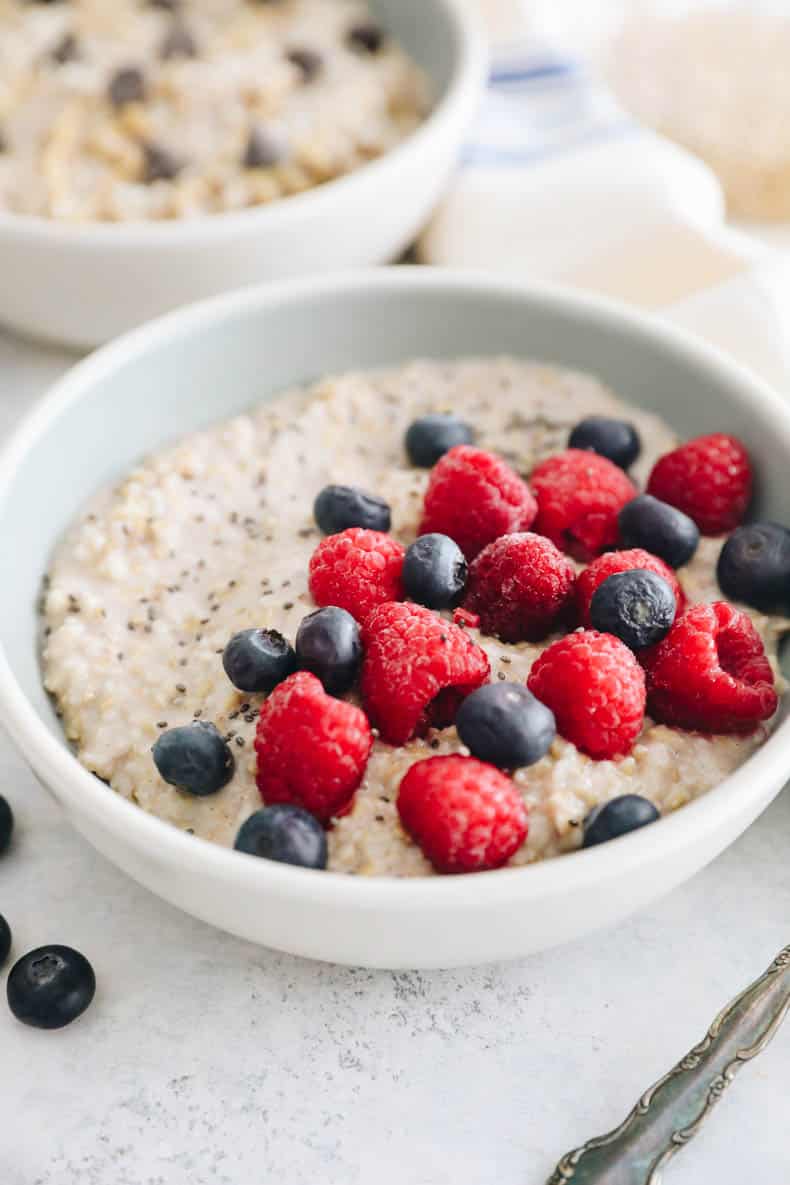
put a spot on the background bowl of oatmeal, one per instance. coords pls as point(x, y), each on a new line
point(94, 252)
point(205, 363)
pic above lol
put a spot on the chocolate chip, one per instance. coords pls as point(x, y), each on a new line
point(66, 50)
point(306, 60)
point(126, 86)
point(178, 43)
point(159, 164)
point(366, 37)
point(264, 149)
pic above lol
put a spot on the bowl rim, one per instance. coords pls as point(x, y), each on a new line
point(56, 765)
point(465, 83)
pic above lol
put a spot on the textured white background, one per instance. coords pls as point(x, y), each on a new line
point(205, 1061)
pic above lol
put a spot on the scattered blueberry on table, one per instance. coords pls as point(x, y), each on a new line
point(339, 507)
point(430, 437)
point(6, 824)
point(754, 567)
point(435, 571)
point(257, 660)
point(194, 758)
point(5, 940)
point(616, 440)
point(617, 817)
point(505, 725)
point(638, 607)
point(285, 833)
point(329, 645)
point(659, 528)
point(50, 987)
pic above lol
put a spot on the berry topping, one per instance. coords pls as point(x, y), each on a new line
point(264, 148)
point(127, 85)
point(754, 567)
point(711, 673)
point(6, 824)
point(357, 570)
point(339, 507)
point(366, 37)
point(312, 749)
point(467, 619)
point(474, 497)
point(194, 758)
point(285, 833)
point(465, 815)
point(257, 660)
point(416, 671)
point(616, 440)
point(709, 478)
point(637, 607)
point(308, 62)
point(430, 437)
point(5, 940)
point(596, 690)
point(658, 528)
point(617, 817)
point(579, 497)
point(520, 585)
point(328, 643)
point(434, 571)
point(621, 561)
point(504, 724)
point(50, 987)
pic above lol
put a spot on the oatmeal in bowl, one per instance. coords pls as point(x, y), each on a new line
point(443, 617)
point(151, 109)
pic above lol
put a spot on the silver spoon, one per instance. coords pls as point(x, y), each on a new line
point(672, 1111)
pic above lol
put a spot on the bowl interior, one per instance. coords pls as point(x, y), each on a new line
point(200, 365)
point(430, 34)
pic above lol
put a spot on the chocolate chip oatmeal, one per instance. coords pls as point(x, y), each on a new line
point(214, 536)
point(162, 109)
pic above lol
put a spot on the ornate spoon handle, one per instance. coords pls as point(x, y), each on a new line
point(672, 1111)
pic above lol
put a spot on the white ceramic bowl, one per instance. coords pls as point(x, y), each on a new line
point(214, 360)
point(82, 285)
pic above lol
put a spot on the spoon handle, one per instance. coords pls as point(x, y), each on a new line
point(672, 1111)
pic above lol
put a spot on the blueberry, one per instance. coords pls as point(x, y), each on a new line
point(638, 607)
point(659, 528)
point(504, 724)
point(430, 437)
point(50, 987)
point(328, 643)
point(285, 833)
point(5, 939)
point(754, 567)
point(616, 440)
point(435, 571)
point(257, 660)
point(6, 824)
point(339, 507)
point(617, 817)
point(194, 758)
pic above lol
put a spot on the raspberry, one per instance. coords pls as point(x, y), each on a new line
point(621, 561)
point(474, 497)
point(357, 570)
point(520, 585)
point(465, 815)
point(711, 673)
point(579, 497)
point(416, 671)
point(709, 479)
point(312, 749)
point(596, 690)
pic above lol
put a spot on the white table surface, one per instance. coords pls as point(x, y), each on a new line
point(206, 1060)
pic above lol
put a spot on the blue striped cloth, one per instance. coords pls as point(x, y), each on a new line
point(538, 106)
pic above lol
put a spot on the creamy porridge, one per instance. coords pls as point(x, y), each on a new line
point(152, 109)
point(214, 535)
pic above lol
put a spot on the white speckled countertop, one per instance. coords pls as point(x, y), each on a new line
point(205, 1061)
